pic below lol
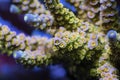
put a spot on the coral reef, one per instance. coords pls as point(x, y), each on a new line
point(86, 43)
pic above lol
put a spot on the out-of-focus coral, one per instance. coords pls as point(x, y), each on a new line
point(36, 13)
point(104, 69)
point(99, 12)
point(86, 43)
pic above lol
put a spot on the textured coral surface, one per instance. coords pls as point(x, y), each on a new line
point(86, 43)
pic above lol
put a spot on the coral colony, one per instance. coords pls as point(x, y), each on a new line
point(86, 43)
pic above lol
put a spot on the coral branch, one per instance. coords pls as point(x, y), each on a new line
point(62, 15)
point(35, 8)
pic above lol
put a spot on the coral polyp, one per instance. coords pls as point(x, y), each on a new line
point(85, 43)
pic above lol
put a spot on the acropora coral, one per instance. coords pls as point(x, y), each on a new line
point(86, 43)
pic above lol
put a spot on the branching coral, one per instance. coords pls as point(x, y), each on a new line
point(86, 43)
point(42, 17)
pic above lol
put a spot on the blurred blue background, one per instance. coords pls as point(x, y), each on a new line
point(9, 70)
